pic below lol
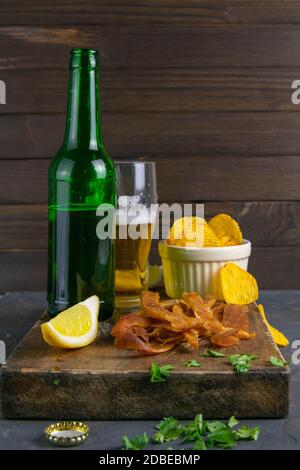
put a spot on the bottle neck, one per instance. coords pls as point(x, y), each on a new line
point(83, 122)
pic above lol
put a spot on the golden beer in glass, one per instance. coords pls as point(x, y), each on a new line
point(135, 222)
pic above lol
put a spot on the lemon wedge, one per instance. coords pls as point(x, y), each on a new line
point(75, 327)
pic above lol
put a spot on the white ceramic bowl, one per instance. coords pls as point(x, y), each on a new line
point(189, 269)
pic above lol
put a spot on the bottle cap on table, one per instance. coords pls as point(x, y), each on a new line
point(66, 433)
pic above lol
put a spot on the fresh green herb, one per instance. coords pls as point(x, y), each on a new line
point(168, 429)
point(192, 363)
point(137, 443)
point(244, 432)
point(215, 426)
point(200, 444)
point(212, 353)
point(277, 362)
point(208, 434)
point(160, 374)
point(194, 430)
point(203, 434)
point(241, 362)
point(232, 422)
point(56, 382)
point(224, 438)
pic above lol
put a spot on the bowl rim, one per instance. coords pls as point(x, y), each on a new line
point(206, 248)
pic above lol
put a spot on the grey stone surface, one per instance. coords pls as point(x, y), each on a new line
point(18, 312)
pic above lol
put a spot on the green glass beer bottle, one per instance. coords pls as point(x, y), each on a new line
point(81, 177)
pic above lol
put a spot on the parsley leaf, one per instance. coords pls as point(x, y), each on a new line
point(244, 432)
point(212, 353)
point(215, 426)
point(203, 434)
point(224, 438)
point(232, 422)
point(168, 429)
point(200, 444)
point(275, 361)
point(137, 443)
point(160, 374)
point(192, 363)
point(241, 362)
point(193, 430)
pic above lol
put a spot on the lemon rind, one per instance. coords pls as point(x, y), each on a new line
point(54, 338)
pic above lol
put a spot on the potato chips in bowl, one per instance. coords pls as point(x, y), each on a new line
point(196, 250)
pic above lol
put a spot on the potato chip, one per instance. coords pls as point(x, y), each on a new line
point(278, 337)
point(226, 229)
point(210, 238)
point(187, 231)
point(192, 231)
point(183, 242)
point(237, 285)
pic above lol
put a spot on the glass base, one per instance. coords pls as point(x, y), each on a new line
point(127, 302)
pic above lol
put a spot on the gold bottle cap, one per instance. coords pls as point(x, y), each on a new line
point(66, 433)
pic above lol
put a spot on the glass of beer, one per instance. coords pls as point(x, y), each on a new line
point(135, 221)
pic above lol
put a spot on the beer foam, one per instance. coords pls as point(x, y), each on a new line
point(137, 214)
point(128, 201)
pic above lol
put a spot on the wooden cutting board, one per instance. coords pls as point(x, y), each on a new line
point(101, 382)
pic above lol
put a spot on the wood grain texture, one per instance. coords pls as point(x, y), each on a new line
point(138, 45)
point(275, 434)
point(43, 382)
point(201, 86)
point(273, 228)
point(198, 12)
point(274, 268)
point(23, 269)
point(162, 134)
point(32, 47)
point(230, 178)
point(270, 223)
point(158, 90)
point(23, 227)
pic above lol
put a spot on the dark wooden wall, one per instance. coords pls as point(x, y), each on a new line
point(201, 86)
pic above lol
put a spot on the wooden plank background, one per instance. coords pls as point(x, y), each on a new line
point(203, 87)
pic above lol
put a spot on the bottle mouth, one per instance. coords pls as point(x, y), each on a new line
point(84, 58)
